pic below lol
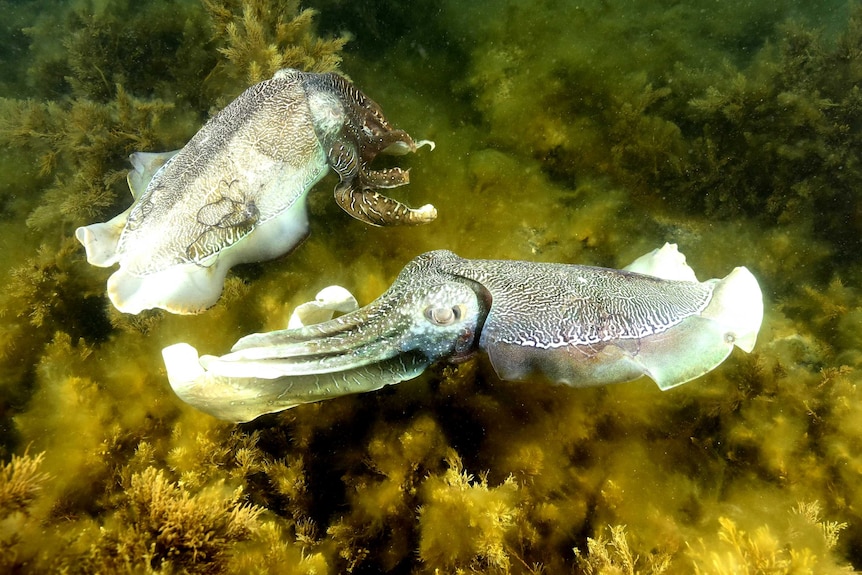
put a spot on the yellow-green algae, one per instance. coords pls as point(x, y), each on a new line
point(585, 132)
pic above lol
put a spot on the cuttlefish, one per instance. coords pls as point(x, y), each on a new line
point(236, 193)
point(570, 324)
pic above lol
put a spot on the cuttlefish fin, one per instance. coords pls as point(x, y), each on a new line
point(737, 304)
point(705, 321)
point(700, 343)
point(145, 165)
point(180, 289)
point(667, 263)
point(100, 240)
point(189, 288)
point(732, 318)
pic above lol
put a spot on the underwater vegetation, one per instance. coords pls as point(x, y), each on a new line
point(258, 40)
point(586, 132)
point(772, 132)
point(795, 113)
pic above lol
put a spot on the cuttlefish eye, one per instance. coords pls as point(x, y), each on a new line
point(443, 315)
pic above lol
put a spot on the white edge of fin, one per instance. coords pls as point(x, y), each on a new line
point(667, 263)
point(737, 304)
point(100, 240)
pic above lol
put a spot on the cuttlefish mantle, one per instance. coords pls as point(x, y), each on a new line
point(570, 324)
point(236, 193)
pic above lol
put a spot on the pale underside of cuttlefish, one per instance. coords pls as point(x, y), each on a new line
point(236, 193)
point(570, 324)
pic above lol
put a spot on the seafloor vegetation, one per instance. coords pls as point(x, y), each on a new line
point(586, 132)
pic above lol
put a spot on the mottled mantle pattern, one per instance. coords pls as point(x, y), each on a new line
point(236, 193)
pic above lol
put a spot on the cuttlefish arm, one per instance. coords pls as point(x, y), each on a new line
point(577, 325)
point(364, 134)
point(424, 317)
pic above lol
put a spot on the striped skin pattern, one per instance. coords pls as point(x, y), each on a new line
point(569, 324)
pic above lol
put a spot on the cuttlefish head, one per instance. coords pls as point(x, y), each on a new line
point(424, 317)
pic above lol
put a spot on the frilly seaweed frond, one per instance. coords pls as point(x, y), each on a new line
point(86, 48)
point(812, 513)
point(771, 137)
point(612, 556)
point(385, 491)
point(49, 288)
point(260, 39)
point(20, 483)
point(274, 552)
point(49, 292)
point(168, 528)
point(640, 139)
point(777, 138)
point(824, 307)
point(763, 551)
point(84, 147)
point(202, 444)
point(465, 523)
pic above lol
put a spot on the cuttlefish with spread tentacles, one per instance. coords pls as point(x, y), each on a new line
point(571, 324)
point(236, 193)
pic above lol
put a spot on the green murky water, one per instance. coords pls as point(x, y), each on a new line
point(585, 132)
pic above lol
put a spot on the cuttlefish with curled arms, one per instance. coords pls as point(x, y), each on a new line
point(236, 193)
point(571, 324)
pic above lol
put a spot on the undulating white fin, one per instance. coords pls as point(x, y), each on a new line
point(145, 165)
point(737, 304)
point(700, 343)
point(181, 289)
point(193, 287)
point(100, 240)
point(667, 263)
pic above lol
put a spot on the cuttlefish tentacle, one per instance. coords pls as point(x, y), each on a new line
point(388, 178)
point(363, 136)
point(571, 324)
point(378, 345)
point(378, 210)
point(356, 192)
point(366, 124)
